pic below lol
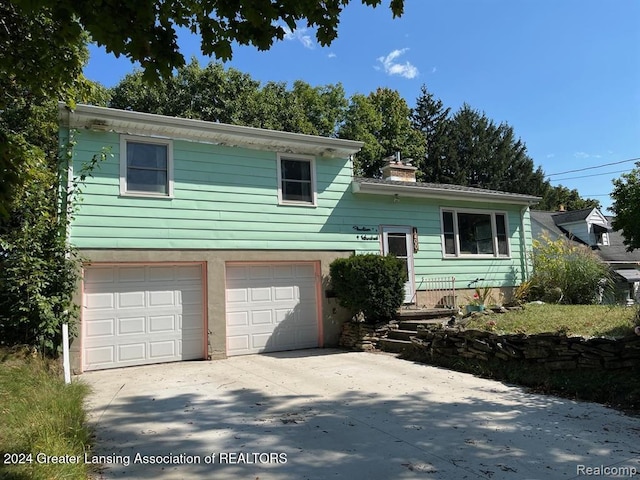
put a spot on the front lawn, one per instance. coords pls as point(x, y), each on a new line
point(584, 320)
point(42, 420)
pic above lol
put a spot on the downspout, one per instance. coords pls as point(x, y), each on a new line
point(523, 242)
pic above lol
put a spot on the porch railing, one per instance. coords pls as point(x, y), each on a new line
point(440, 292)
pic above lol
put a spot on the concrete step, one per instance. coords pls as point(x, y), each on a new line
point(401, 334)
point(410, 314)
point(413, 324)
point(393, 346)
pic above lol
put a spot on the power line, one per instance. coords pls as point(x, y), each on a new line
point(592, 175)
point(593, 167)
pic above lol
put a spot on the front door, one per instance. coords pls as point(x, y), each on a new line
point(398, 241)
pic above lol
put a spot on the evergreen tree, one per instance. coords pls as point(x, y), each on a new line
point(431, 119)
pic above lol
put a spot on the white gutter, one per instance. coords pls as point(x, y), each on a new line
point(441, 192)
point(123, 121)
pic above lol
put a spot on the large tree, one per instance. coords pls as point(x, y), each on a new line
point(431, 119)
point(382, 120)
point(625, 207)
point(479, 153)
point(554, 197)
point(146, 30)
point(230, 96)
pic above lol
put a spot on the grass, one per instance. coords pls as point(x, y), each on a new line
point(40, 414)
point(584, 320)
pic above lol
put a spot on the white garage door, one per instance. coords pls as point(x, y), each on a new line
point(136, 315)
point(271, 308)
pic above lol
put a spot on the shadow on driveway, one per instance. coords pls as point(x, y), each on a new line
point(323, 414)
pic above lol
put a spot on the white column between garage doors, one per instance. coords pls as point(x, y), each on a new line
point(142, 314)
point(272, 307)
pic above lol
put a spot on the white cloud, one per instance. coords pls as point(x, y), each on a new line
point(434, 70)
point(391, 67)
point(331, 55)
point(300, 34)
point(586, 155)
point(551, 155)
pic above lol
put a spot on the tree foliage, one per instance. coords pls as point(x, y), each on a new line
point(553, 197)
point(626, 207)
point(230, 96)
point(146, 30)
point(474, 151)
point(382, 120)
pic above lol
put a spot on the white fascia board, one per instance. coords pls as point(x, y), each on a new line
point(441, 193)
point(138, 123)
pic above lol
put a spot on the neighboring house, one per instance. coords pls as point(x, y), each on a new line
point(205, 240)
point(591, 228)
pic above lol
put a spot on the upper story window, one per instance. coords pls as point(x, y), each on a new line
point(296, 180)
point(146, 166)
point(473, 233)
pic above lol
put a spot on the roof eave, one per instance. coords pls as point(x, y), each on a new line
point(124, 121)
point(359, 186)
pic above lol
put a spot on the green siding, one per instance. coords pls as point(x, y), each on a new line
point(226, 198)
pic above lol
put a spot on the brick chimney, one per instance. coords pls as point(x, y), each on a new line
point(398, 170)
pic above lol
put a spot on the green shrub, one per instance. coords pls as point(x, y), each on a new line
point(564, 272)
point(371, 284)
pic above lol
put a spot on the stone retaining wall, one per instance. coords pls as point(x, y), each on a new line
point(362, 336)
point(554, 351)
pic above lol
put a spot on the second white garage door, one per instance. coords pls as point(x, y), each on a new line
point(271, 307)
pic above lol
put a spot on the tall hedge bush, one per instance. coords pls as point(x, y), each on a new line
point(371, 284)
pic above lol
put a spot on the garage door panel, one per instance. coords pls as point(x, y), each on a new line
point(101, 301)
point(265, 312)
point(130, 274)
point(260, 294)
point(129, 326)
point(157, 315)
point(164, 323)
point(166, 349)
point(101, 328)
point(100, 355)
point(131, 352)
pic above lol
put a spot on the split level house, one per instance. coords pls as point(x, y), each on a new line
point(591, 228)
point(204, 240)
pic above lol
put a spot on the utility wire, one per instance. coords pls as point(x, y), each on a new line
point(593, 167)
point(591, 175)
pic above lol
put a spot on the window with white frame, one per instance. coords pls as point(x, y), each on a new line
point(296, 180)
point(146, 166)
point(474, 233)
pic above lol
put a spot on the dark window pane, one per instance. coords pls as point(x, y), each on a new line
point(296, 170)
point(297, 191)
point(475, 233)
point(154, 181)
point(397, 243)
point(447, 222)
point(501, 233)
point(147, 155)
point(449, 244)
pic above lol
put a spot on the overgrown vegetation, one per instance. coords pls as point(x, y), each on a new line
point(40, 414)
point(564, 272)
point(371, 284)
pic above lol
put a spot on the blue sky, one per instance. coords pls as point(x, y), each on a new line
point(564, 74)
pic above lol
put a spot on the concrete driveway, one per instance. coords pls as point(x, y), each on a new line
point(329, 414)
